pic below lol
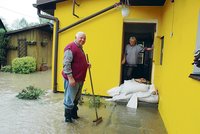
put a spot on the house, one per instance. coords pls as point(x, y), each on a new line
point(35, 41)
point(173, 27)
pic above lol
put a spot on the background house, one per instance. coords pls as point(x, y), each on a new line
point(172, 26)
point(35, 41)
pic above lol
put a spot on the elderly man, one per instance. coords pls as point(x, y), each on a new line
point(130, 58)
point(74, 73)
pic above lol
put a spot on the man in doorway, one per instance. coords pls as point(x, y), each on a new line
point(130, 58)
point(74, 73)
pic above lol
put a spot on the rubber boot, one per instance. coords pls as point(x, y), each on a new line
point(68, 116)
point(74, 114)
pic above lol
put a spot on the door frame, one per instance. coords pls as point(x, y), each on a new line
point(154, 21)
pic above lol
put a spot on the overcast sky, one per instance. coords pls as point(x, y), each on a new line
point(11, 10)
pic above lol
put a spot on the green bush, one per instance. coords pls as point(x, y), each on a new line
point(30, 93)
point(24, 65)
point(95, 102)
point(7, 68)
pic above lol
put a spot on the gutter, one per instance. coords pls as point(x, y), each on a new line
point(68, 27)
point(55, 49)
point(89, 17)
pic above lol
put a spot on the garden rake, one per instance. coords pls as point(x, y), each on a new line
point(98, 119)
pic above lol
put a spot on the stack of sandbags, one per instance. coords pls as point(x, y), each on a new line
point(131, 91)
point(150, 96)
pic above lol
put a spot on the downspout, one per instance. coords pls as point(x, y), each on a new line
point(89, 17)
point(56, 46)
point(68, 27)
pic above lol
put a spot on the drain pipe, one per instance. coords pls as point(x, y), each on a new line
point(89, 17)
point(56, 47)
point(68, 27)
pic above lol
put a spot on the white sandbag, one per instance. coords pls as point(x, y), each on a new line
point(151, 91)
point(151, 96)
point(131, 87)
point(122, 97)
point(143, 94)
point(152, 87)
point(149, 99)
point(114, 91)
point(132, 91)
point(133, 102)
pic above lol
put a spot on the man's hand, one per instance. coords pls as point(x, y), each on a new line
point(123, 60)
point(72, 82)
point(148, 48)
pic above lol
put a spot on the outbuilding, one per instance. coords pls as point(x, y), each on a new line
point(34, 41)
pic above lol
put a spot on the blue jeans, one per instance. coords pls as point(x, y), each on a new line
point(72, 94)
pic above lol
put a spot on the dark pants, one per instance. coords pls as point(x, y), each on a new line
point(130, 72)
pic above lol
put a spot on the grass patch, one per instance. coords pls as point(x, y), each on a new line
point(30, 93)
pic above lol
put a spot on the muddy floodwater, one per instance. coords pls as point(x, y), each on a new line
point(45, 115)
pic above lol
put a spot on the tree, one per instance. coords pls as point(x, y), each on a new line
point(19, 24)
point(4, 23)
point(33, 23)
point(3, 46)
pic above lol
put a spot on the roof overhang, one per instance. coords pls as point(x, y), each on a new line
point(47, 6)
point(45, 27)
point(144, 2)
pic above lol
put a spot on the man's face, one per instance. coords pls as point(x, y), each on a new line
point(132, 42)
point(81, 39)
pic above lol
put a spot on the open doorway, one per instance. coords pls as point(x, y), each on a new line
point(144, 32)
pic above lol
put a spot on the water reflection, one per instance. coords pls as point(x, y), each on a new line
point(45, 116)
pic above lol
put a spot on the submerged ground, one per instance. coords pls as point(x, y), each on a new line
point(45, 116)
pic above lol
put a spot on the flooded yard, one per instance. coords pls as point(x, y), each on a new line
point(45, 115)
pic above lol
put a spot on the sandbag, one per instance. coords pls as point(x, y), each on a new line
point(114, 91)
point(149, 99)
point(122, 97)
point(133, 102)
point(131, 87)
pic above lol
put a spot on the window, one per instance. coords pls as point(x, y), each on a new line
point(161, 51)
point(196, 70)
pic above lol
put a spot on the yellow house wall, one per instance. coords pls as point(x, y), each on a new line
point(179, 95)
point(104, 39)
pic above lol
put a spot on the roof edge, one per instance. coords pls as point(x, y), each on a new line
point(29, 28)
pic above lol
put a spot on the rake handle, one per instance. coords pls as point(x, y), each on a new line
point(92, 86)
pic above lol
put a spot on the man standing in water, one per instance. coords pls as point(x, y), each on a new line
point(74, 73)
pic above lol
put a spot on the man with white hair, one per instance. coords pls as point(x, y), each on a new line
point(74, 72)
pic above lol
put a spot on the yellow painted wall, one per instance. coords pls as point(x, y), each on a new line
point(103, 44)
point(179, 95)
point(104, 39)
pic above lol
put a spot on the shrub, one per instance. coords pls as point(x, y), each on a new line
point(30, 93)
point(95, 102)
point(24, 65)
point(7, 68)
